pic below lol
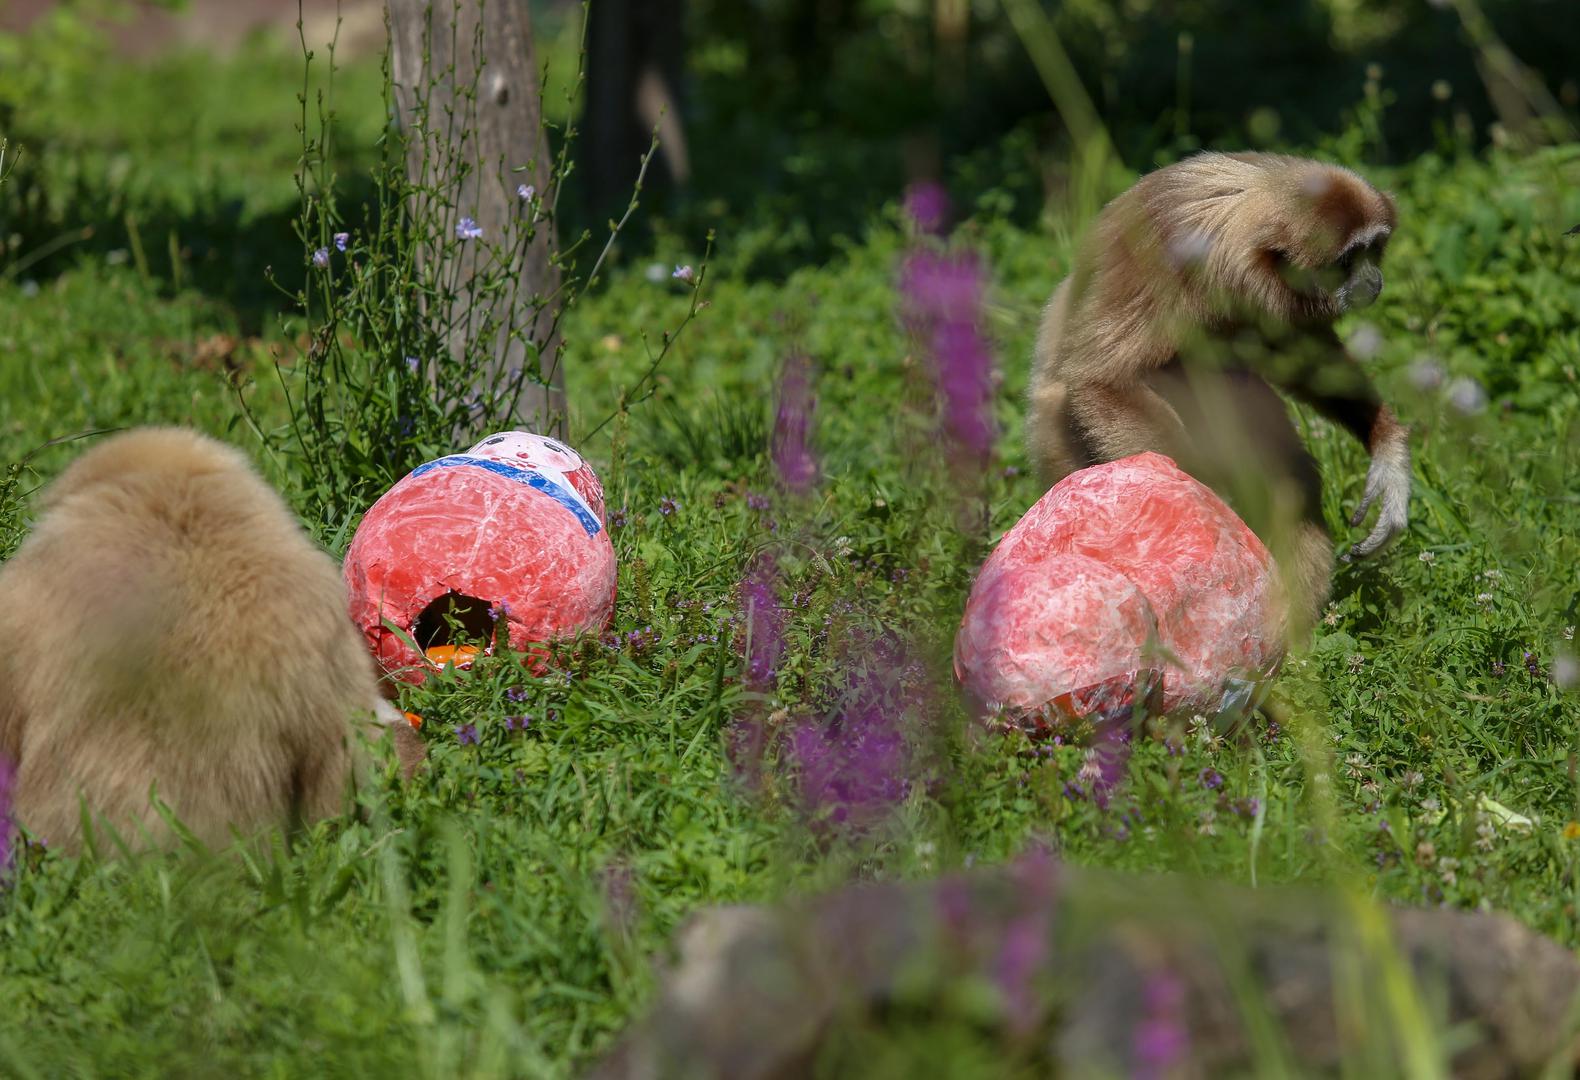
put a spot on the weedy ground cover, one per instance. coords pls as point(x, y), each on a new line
point(794, 555)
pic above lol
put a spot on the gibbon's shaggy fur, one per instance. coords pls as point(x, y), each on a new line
point(169, 625)
point(1202, 287)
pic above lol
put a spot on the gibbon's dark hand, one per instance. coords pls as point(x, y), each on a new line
point(1388, 485)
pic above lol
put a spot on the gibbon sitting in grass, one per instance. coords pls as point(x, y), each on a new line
point(168, 628)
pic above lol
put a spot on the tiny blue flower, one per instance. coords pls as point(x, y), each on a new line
point(684, 273)
point(466, 734)
point(321, 258)
point(341, 239)
point(467, 229)
point(526, 192)
point(412, 363)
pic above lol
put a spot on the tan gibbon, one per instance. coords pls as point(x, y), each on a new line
point(169, 628)
point(1200, 289)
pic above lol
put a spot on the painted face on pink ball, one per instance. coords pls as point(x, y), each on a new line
point(550, 457)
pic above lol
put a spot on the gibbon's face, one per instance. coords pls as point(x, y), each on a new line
point(1350, 282)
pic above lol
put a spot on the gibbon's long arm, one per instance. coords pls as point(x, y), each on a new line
point(1328, 379)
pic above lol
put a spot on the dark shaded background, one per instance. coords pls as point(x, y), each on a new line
point(802, 117)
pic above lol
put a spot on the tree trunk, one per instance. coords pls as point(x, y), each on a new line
point(635, 58)
point(440, 50)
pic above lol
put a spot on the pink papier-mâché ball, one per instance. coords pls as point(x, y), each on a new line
point(513, 529)
point(1125, 575)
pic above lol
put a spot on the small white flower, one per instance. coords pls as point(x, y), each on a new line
point(1427, 374)
point(1189, 249)
point(1427, 556)
point(1566, 671)
point(1366, 342)
point(1466, 395)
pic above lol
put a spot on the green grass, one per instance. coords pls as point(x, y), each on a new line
point(466, 927)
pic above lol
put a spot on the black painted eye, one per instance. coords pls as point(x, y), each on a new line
point(497, 439)
point(554, 446)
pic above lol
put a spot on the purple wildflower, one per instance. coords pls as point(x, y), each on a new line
point(1113, 755)
point(466, 734)
point(955, 905)
point(1498, 668)
point(667, 506)
point(517, 723)
point(617, 519)
point(517, 694)
point(797, 468)
point(756, 502)
point(467, 229)
point(1161, 1041)
point(927, 204)
point(764, 627)
point(412, 364)
point(1211, 779)
point(852, 769)
point(1019, 958)
point(855, 767)
point(341, 240)
point(942, 299)
point(526, 193)
point(643, 641)
point(321, 258)
point(684, 273)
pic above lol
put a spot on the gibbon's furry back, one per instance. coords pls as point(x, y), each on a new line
point(169, 624)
